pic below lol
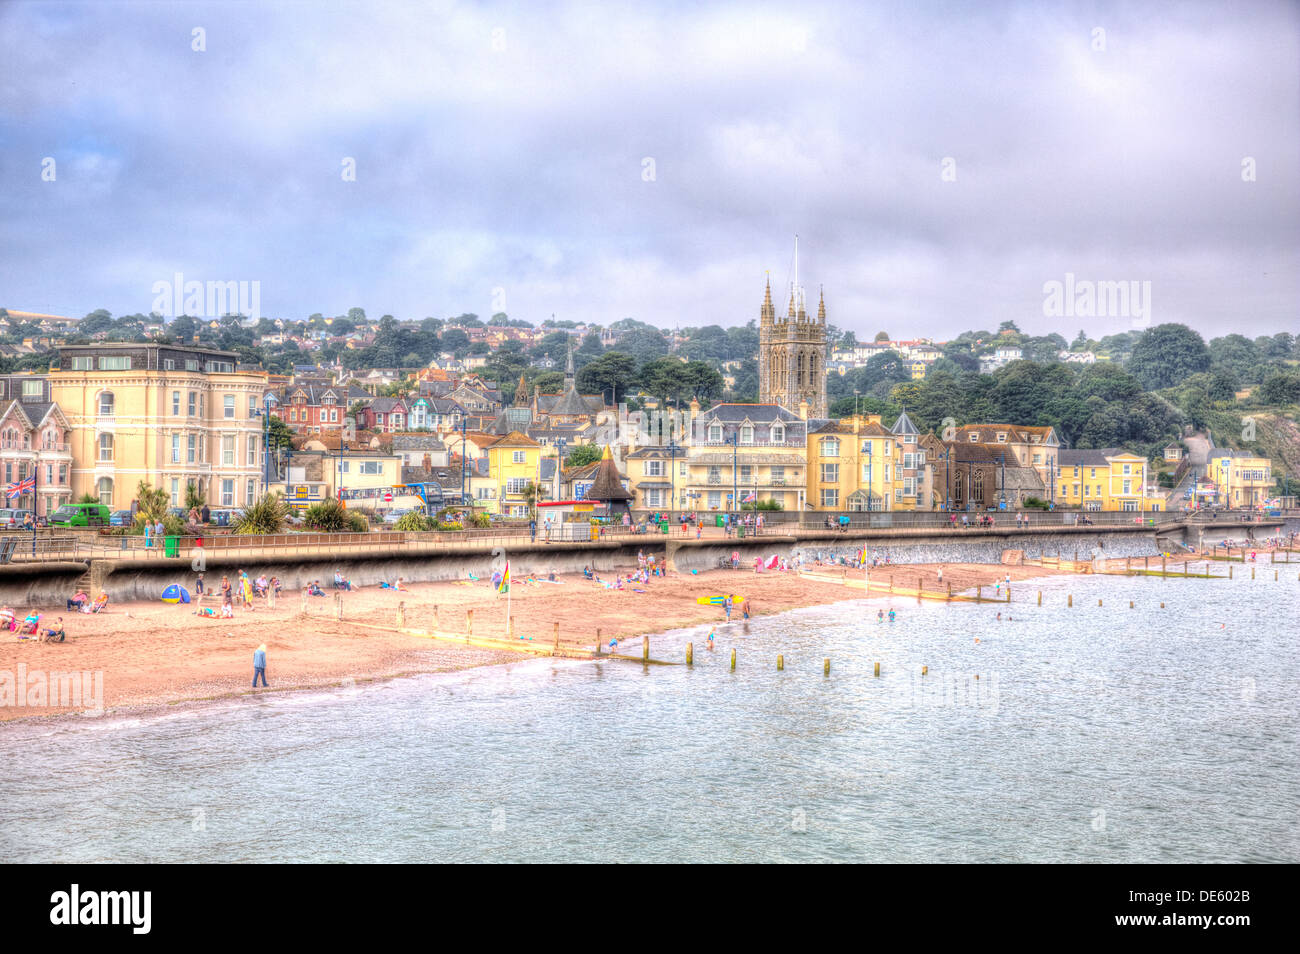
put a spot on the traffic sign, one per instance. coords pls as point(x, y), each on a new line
point(388, 496)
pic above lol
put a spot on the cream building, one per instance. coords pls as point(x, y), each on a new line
point(164, 414)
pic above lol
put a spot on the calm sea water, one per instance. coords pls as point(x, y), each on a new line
point(1092, 734)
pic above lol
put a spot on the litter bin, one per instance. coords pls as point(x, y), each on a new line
point(663, 527)
point(718, 518)
point(169, 546)
point(740, 531)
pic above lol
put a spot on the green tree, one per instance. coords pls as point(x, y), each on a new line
point(1167, 354)
point(152, 502)
point(613, 369)
point(582, 455)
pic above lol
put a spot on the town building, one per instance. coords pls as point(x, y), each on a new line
point(1241, 479)
point(35, 448)
point(743, 450)
point(792, 355)
point(1108, 478)
point(166, 415)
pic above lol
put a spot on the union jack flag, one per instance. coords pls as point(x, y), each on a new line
point(749, 498)
point(22, 487)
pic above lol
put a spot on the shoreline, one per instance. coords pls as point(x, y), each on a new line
point(155, 657)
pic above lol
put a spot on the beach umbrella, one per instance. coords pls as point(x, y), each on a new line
point(175, 594)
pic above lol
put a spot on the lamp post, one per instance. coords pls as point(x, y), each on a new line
point(673, 447)
point(1002, 480)
point(869, 482)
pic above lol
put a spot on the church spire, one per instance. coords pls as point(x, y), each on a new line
point(568, 366)
point(767, 314)
point(821, 306)
point(790, 313)
point(521, 393)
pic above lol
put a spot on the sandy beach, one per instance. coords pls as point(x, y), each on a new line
point(155, 654)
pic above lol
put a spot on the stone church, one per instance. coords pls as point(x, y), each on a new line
point(792, 355)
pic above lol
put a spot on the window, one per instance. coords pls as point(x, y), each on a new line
point(106, 404)
point(33, 390)
point(830, 447)
point(909, 486)
point(63, 473)
point(909, 439)
point(1092, 472)
point(681, 469)
point(653, 498)
point(830, 473)
point(371, 467)
point(192, 404)
point(778, 475)
point(176, 404)
point(515, 485)
point(228, 450)
point(252, 405)
point(105, 489)
point(191, 364)
point(778, 434)
point(343, 466)
point(715, 433)
point(115, 362)
point(229, 403)
point(1038, 458)
point(176, 448)
point(746, 474)
point(830, 497)
point(106, 447)
point(909, 462)
point(1127, 469)
point(250, 493)
point(920, 458)
point(715, 475)
point(293, 414)
point(169, 364)
point(1127, 488)
point(252, 450)
point(747, 434)
point(49, 474)
point(189, 448)
point(654, 468)
point(176, 492)
point(1002, 437)
point(715, 499)
point(516, 457)
point(227, 493)
point(974, 438)
point(83, 364)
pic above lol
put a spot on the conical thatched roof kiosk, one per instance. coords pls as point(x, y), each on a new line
point(608, 486)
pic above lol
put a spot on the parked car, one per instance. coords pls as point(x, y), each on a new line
point(81, 515)
point(396, 514)
point(180, 512)
point(121, 518)
point(10, 518)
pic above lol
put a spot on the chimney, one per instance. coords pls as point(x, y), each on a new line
point(803, 410)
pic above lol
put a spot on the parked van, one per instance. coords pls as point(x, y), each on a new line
point(81, 515)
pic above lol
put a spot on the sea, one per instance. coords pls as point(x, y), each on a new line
point(1086, 733)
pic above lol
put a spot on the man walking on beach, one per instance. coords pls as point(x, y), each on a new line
point(259, 666)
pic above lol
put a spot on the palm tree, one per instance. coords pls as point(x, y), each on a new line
point(266, 515)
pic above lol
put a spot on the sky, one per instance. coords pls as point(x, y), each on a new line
point(941, 163)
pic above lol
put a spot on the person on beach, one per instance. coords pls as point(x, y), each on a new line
point(56, 634)
point(227, 594)
point(726, 607)
point(744, 607)
point(246, 589)
point(259, 666)
point(79, 599)
point(940, 574)
point(198, 587)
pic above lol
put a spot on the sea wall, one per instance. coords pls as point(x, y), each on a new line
point(986, 548)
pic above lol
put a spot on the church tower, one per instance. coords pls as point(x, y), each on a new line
point(792, 352)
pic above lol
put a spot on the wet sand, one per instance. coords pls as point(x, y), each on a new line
point(153, 654)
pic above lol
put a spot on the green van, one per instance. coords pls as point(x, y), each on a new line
point(80, 515)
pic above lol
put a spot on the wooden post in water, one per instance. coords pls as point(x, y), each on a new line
point(338, 606)
point(645, 649)
point(469, 624)
point(1146, 563)
point(1040, 597)
point(978, 591)
point(1184, 569)
point(435, 617)
point(1099, 602)
point(924, 670)
point(1130, 604)
point(1162, 564)
point(949, 591)
point(1162, 605)
point(599, 641)
point(1252, 572)
point(733, 660)
point(557, 635)
point(826, 666)
point(304, 601)
point(1069, 599)
point(510, 628)
point(780, 663)
point(401, 615)
point(1275, 575)
point(690, 654)
point(1229, 571)
point(891, 582)
point(877, 669)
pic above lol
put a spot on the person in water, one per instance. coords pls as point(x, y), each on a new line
point(892, 615)
point(710, 639)
point(880, 616)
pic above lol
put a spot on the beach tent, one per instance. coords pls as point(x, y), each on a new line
point(774, 562)
point(175, 594)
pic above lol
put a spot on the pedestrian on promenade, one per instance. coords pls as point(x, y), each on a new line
point(259, 666)
point(205, 514)
point(532, 530)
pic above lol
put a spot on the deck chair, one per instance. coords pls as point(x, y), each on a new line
point(30, 625)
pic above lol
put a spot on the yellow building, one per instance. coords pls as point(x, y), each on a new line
point(743, 451)
point(1106, 479)
point(514, 462)
point(654, 473)
point(854, 464)
point(167, 415)
point(1240, 478)
point(361, 478)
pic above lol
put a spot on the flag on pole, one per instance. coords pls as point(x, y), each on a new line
point(504, 585)
point(21, 487)
point(749, 498)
